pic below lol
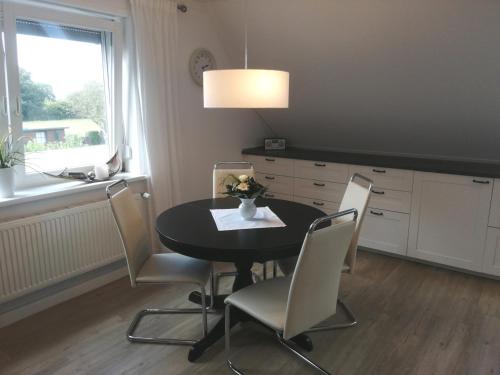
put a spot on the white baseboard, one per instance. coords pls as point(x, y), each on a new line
point(57, 298)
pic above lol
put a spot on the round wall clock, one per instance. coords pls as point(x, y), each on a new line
point(201, 59)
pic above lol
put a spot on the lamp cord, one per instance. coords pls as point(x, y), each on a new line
point(246, 32)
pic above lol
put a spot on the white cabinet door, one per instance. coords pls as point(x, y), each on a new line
point(271, 165)
point(386, 178)
point(323, 190)
point(391, 200)
point(449, 218)
point(491, 263)
point(275, 183)
point(325, 206)
point(319, 170)
point(495, 206)
point(385, 230)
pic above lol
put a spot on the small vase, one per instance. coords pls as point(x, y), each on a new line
point(247, 208)
point(6, 182)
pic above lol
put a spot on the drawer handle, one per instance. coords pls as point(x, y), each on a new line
point(318, 184)
point(376, 213)
point(378, 170)
point(320, 165)
point(378, 192)
point(480, 181)
point(318, 203)
point(267, 195)
point(269, 178)
point(269, 159)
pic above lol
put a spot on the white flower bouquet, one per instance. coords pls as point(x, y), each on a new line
point(243, 187)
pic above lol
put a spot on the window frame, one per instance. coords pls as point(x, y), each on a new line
point(13, 11)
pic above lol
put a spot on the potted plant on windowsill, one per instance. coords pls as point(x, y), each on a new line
point(9, 157)
point(247, 190)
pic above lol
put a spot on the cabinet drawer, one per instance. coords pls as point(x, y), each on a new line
point(385, 231)
point(286, 197)
point(322, 190)
point(391, 200)
point(271, 165)
point(386, 178)
point(318, 170)
point(325, 206)
point(275, 183)
point(494, 220)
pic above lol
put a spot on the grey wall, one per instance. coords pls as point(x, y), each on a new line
point(207, 135)
point(396, 76)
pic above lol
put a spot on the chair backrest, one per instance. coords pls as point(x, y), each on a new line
point(226, 168)
point(357, 195)
point(315, 282)
point(131, 227)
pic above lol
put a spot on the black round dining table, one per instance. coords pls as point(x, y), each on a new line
point(190, 229)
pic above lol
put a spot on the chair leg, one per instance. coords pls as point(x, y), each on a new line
point(168, 341)
point(351, 323)
point(213, 289)
point(227, 334)
point(235, 370)
point(301, 356)
point(264, 270)
point(275, 269)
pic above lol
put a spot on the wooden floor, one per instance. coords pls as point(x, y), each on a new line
point(414, 319)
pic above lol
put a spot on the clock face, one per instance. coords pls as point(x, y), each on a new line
point(201, 60)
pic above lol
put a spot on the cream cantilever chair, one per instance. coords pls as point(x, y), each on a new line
point(146, 268)
point(292, 305)
point(220, 174)
point(356, 196)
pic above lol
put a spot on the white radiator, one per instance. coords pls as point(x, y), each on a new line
point(45, 249)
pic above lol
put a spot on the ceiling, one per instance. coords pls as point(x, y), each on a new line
point(390, 76)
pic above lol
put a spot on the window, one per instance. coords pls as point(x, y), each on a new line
point(40, 138)
point(63, 88)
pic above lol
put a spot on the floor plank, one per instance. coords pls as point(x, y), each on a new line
point(414, 319)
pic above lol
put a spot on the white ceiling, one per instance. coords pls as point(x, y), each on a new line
point(397, 76)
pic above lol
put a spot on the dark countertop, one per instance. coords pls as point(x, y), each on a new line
point(466, 168)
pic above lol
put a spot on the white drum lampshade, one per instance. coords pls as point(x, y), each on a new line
point(245, 88)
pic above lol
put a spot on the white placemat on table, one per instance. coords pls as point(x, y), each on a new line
point(230, 219)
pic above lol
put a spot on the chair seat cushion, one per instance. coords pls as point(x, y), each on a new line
point(265, 301)
point(176, 268)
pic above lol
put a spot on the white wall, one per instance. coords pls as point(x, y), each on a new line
point(398, 76)
point(207, 135)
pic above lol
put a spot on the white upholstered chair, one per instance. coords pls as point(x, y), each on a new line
point(146, 268)
point(293, 304)
point(221, 172)
point(357, 195)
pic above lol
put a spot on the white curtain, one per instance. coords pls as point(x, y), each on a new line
point(151, 97)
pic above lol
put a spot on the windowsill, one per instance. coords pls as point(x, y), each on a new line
point(61, 189)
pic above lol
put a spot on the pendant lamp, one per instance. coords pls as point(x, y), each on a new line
point(245, 88)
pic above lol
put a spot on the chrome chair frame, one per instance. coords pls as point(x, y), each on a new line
point(219, 275)
point(146, 312)
point(168, 341)
point(352, 320)
point(279, 335)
